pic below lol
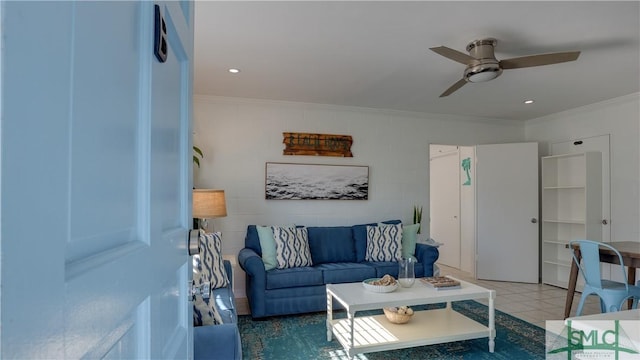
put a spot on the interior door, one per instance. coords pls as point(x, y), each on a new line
point(445, 202)
point(95, 184)
point(507, 212)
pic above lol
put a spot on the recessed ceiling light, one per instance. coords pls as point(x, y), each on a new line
point(529, 101)
point(234, 71)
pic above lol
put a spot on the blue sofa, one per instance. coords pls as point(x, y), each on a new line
point(221, 341)
point(338, 255)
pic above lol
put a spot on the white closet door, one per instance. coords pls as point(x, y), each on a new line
point(445, 206)
point(507, 212)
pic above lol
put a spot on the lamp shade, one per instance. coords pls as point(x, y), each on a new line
point(208, 204)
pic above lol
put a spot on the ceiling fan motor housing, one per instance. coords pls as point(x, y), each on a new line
point(486, 67)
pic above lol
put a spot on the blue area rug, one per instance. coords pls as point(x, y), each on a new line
point(305, 337)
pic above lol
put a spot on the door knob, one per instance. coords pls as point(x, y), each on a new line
point(193, 242)
point(604, 222)
point(534, 220)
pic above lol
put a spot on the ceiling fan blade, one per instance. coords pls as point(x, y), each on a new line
point(454, 87)
point(539, 60)
point(454, 55)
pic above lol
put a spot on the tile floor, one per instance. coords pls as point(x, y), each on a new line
point(534, 303)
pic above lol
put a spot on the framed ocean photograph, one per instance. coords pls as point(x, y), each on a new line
point(285, 181)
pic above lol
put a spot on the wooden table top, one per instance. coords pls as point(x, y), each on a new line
point(630, 249)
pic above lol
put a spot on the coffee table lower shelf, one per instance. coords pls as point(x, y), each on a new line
point(428, 327)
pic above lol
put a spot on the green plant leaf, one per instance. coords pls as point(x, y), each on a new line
point(417, 216)
point(197, 150)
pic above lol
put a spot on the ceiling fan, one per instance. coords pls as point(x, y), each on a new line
point(482, 64)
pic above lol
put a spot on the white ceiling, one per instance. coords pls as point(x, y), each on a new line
point(376, 54)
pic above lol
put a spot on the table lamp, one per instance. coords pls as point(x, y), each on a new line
point(207, 204)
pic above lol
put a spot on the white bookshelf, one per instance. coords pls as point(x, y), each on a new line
point(571, 210)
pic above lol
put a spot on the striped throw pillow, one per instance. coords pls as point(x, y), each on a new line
point(384, 243)
point(292, 247)
point(208, 267)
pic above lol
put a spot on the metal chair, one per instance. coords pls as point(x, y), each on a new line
point(612, 294)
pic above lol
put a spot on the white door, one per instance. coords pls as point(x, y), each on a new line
point(445, 202)
point(95, 185)
point(596, 143)
point(507, 212)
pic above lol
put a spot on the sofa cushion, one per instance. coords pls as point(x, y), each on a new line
point(336, 273)
point(293, 277)
point(331, 244)
point(384, 243)
point(409, 239)
point(360, 238)
point(292, 247)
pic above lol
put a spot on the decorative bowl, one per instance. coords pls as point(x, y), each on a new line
point(395, 317)
point(379, 288)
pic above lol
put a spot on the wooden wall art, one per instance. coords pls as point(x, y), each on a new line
point(317, 144)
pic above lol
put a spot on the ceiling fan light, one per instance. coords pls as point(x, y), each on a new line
point(482, 72)
point(481, 77)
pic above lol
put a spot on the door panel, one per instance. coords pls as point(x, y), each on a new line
point(507, 200)
point(467, 209)
point(95, 154)
point(445, 205)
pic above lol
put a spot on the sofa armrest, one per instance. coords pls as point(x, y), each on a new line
point(252, 263)
point(253, 266)
point(427, 255)
point(217, 342)
point(256, 284)
point(223, 298)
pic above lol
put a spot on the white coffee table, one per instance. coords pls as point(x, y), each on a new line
point(375, 333)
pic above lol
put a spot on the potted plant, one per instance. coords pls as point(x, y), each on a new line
point(417, 216)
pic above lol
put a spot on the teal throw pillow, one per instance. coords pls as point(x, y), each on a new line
point(268, 246)
point(409, 239)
